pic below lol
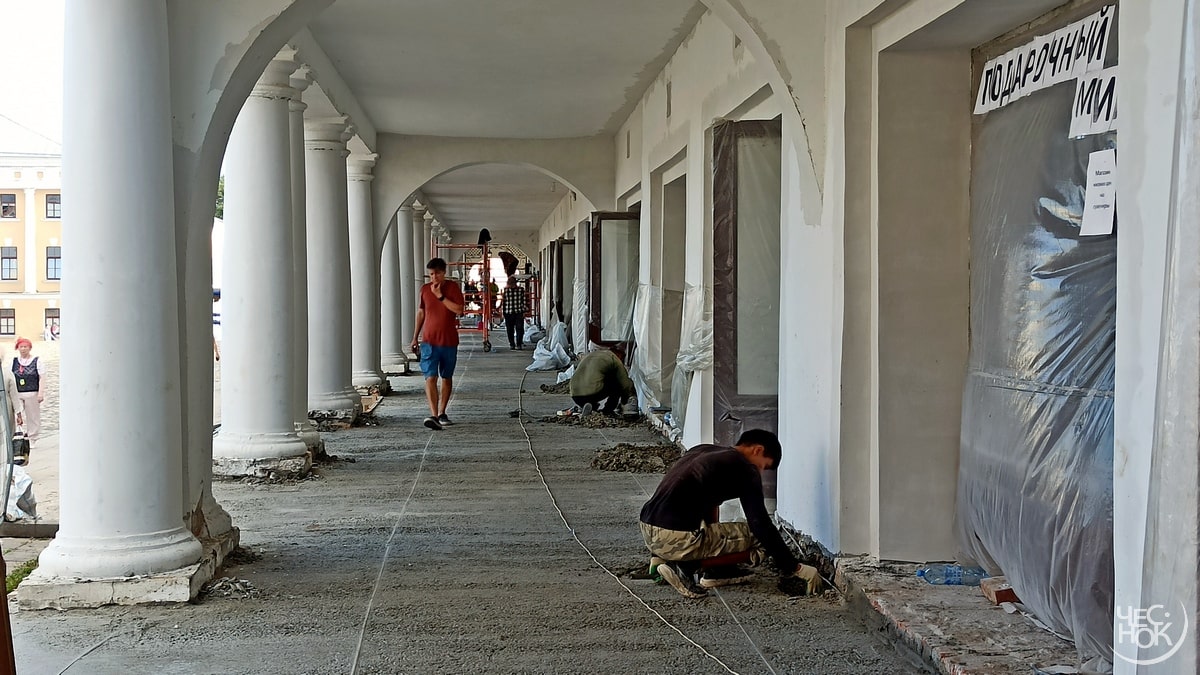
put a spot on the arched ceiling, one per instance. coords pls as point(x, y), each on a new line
point(524, 69)
point(510, 69)
point(500, 197)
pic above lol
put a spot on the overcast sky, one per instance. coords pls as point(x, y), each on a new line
point(31, 54)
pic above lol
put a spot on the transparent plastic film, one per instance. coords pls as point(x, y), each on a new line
point(647, 368)
point(695, 349)
point(746, 276)
point(620, 250)
point(579, 321)
point(1036, 455)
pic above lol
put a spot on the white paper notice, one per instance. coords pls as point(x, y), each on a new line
point(1100, 198)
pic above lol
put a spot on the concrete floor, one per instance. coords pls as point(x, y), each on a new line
point(474, 549)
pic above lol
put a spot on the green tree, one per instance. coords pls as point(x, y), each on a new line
point(221, 198)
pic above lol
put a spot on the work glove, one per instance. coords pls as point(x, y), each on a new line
point(804, 581)
point(811, 578)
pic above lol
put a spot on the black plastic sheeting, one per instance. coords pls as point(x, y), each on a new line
point(1035, 475)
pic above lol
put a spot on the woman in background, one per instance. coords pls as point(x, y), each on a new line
point(29, 375)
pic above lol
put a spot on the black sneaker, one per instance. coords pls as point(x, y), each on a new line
point(587, 409)
point(725, 575)
point(432, 423)
point(443, 420)
point(682, 580)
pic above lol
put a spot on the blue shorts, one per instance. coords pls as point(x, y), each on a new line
point(438, 361)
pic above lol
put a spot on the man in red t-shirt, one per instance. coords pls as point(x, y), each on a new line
point(440, 303)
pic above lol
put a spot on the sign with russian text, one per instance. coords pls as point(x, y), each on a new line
point(1065, 54)
point(1095, 108)
point(1100, 194)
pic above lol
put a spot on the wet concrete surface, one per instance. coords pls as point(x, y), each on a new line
point(491, 546)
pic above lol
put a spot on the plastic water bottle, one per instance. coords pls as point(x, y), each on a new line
point(952, 575)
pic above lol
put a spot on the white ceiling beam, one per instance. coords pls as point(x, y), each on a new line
point(334, 86)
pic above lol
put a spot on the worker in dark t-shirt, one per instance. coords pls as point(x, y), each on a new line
point(679, 523)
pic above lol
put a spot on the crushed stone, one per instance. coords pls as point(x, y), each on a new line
point(230, 587)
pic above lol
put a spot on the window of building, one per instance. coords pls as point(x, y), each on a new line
point(8, 263)
point(8, 322)
point(54, 206)
point(54, 263)
point(8, 205)
point(51, 330)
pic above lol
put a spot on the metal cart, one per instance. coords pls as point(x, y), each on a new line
point(473, 320)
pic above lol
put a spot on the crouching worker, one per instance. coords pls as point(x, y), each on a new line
point(679, 523)
point(601, 378)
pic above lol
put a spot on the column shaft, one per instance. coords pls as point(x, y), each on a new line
point(258, 431)
point(364, 275)
point(329, 384)
point(120, 492)
point(391, 340)
point(408, 292)
point(304, 426)
point(419, 260)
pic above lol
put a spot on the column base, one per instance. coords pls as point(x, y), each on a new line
point(394, 363)
point(333, 404)
point(262, 455)
point(365, 379)
point(312, 440)
point(110, 557)
point(42, 590)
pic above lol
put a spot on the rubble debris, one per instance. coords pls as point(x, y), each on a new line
point(596, 421)
point(563, 388)
point(241, 556)
point(229, 587)
point(366, 419)
point(998, 590)
point(635, 459)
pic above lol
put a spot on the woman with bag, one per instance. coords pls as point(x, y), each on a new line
point(29, 376)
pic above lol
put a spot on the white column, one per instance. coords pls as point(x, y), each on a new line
point(329, 386)
point(391, 308)
point(120, 492)
point(408, 292)
point(419, 259)
point(427, 239)
point(364, 274)
point(29, 246)
point(300, 81)
point(258, 433)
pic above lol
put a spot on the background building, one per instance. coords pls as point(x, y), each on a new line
point(30, 232)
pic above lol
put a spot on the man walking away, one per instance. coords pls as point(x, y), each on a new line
point(435, 339)
point(514, 307)
point(679, 523)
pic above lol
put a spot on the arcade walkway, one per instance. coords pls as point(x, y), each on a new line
point(444, 552)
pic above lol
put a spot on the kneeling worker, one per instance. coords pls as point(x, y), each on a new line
point(601, 377)
point(679, 523)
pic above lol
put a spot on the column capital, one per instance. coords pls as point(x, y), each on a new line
point(428, 218)
point(328, 133)
point(360, 167)
point(274, 83)
point(299, 81)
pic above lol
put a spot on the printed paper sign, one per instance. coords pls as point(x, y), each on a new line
point(1100, 198)
point(1095, 109)
point(1067, 53)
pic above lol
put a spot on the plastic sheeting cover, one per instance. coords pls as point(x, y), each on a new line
point(695, 348)
point(646, 371)
point(747, 185)
point(1036, 457)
